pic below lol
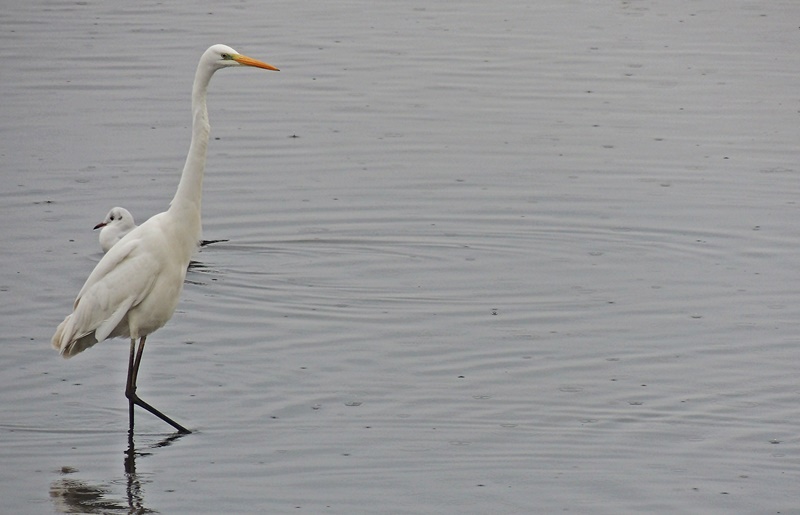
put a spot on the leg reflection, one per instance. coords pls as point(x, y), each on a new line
point(134, 488)
point(70, 494)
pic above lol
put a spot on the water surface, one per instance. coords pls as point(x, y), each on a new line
point(507, 258)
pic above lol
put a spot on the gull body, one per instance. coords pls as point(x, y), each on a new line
point(117, 223)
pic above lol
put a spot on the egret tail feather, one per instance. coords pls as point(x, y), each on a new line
point(66, 343)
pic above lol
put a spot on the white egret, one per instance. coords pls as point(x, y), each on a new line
point(135, 287)
point(117, 223)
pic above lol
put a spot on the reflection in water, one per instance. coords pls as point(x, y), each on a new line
point(76, 496)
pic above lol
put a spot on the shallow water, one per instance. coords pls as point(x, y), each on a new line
point(507, 258)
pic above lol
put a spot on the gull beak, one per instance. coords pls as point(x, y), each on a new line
point(249, 61)
point(101, 224)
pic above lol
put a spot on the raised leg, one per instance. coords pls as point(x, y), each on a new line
point(130, 389)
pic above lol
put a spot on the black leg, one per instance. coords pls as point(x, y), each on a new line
point(130, 389)
point(138, 360)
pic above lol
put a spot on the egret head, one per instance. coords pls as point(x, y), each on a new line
point(223, 56)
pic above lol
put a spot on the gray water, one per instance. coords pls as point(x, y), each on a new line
point(483, 257)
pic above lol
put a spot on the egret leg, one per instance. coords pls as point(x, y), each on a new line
point(130, 389)
point(138, 361)
point(129, 386)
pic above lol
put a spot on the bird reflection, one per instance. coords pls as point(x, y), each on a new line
point(76, 496)
point(72, 495)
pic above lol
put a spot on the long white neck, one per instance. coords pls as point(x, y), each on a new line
point(187, 200)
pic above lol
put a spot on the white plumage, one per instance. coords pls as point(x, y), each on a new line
point(135, 288)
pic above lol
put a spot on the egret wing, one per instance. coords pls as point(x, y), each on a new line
point(116, 285)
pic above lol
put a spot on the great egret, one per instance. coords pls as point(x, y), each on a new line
point(135, 287)
point(117, 223)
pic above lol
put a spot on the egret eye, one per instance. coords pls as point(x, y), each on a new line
point(226, 56)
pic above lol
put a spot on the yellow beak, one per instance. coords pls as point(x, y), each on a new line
point(249, 61)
